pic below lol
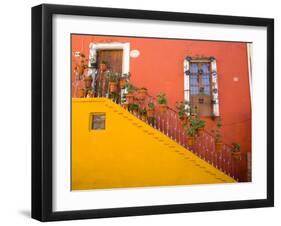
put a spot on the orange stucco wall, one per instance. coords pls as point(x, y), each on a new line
point(159, 67)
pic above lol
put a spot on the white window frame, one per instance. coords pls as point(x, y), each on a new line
point(214, 83)
point(94, 47)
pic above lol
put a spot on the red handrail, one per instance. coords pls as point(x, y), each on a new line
point(169, 123)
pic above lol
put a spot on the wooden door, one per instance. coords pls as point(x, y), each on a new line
point(113, 59)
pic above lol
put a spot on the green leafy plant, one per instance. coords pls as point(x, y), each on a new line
point(152, 121)
point(151, 105)
point(200, 123)
point(162, 98)
point(143, 112)
point(197, 123)
point(236, 147)
point(217, 133)
point(191, 131)
point(114, 96)
point(126, 75)
point(134, 107)
point(130, 88)
point(183, 109)
point(113, 76)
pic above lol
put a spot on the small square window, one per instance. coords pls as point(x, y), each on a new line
point(97, 121)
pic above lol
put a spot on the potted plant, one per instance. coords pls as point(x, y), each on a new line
point(81, 93)
point(114, 96)
point(134, 108)
point(162, 101)
point(236, 152)
point(90, 93)
point(124, 80)
point(143, 114)
point(200, 125)
point(190, 133)
point(130, 95)
point(103, 66)
point(218, 136)
point(124, 102)
point(142, 92)
point(183, 110)
point(80, 68)
point(152, 121)
point(150, 110)
point(88, 81)
point(113, 78)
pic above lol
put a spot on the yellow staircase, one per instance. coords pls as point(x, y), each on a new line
point(129, 152)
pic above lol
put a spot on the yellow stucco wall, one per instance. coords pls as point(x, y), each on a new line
point(129, 153)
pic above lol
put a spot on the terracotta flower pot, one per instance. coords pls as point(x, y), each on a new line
point(183, 120)
point(236, 155)
point(102, 67)
point(190, 141)
point(113, 87)
point(125, 105)
point(135, 112)
point(90, 95)
point(150, 113)
point(80, 69)
point(200, 130)
point(162, 108)
point(81, 93)
point(130, 98)
point(144, 118)
point(88, 82)
point(123, 83)
point(218, 146)
point(142, 94)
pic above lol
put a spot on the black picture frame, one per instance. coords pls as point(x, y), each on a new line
point(42, 111)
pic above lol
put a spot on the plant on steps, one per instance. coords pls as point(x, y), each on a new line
point(81, 93)
point(134, 108)
point(124, 102)
point(236, 151)
point(151, 121)
point(198, 124)
point(218, 136)
point(114, 97)
point(150, 110)
point(124, 80)
point(190, 135)
point(103, 66)
point(81, 66)
point(142, 92)
point(130, 93)
point(143, 114)
point(88, 81)
point(113, 78)
point(183, 111)
point(162, 101)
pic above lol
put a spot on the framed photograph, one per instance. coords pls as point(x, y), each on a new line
point(146, 112)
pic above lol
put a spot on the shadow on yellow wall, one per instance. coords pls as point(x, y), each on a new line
point(130, 153)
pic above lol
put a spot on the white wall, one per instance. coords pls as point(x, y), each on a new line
point(15, 111)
